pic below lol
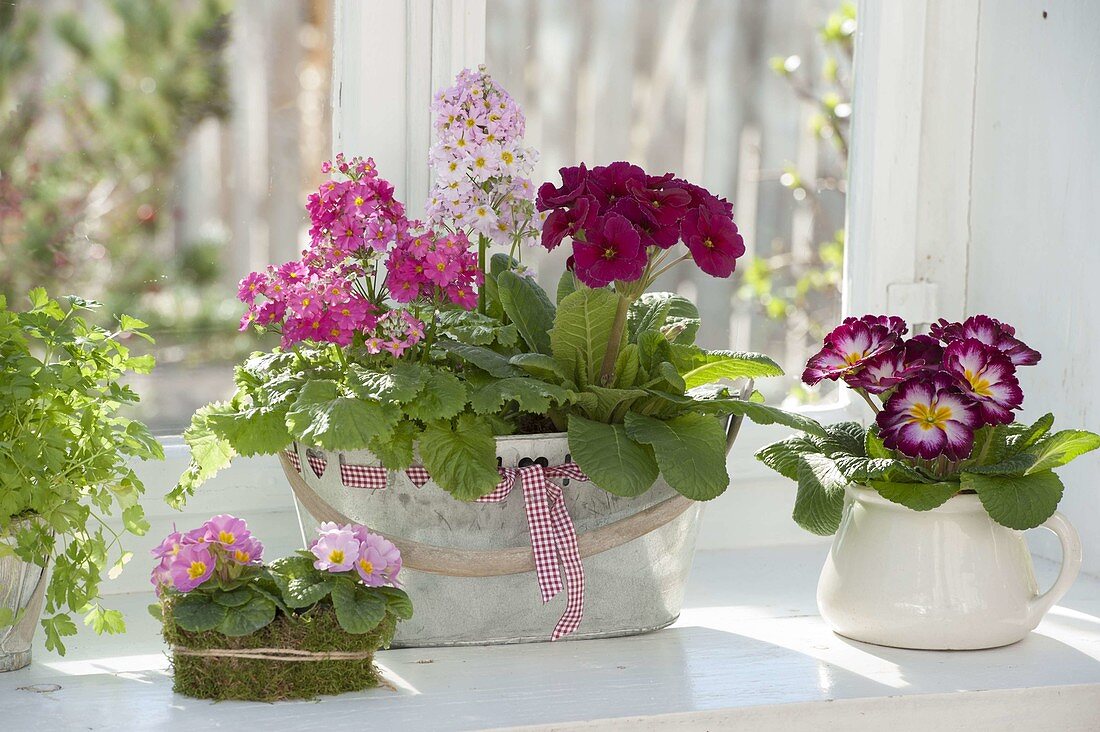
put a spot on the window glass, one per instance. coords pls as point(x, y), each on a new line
point(748, 99)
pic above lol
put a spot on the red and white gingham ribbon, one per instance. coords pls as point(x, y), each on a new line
point(553, 536)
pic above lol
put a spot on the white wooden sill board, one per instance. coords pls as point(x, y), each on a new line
point(748, 652)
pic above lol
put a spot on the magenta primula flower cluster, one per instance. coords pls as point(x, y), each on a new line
point(221, 547)
point(936, 389)
point(435, 268)
point(482, 168)
point(344, 548)
point(332, 294)
point(623, 222)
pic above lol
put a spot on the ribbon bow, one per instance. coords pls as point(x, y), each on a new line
point(553, 536)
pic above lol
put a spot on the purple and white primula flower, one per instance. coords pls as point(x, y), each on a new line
point(987, 376)
point(849, 347)
point(927, 417)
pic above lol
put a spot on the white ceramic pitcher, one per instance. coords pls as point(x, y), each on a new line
point(946, 579)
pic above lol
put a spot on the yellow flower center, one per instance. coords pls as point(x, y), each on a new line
point(854, 357)
point(609, 253)
point(978, 383)
point(709, 244)
point(928, 416)
point(479, 162)
point(336, 556)
point(368, 568)
point(196, 570)
point(306, 301)
point(359, 200)
point(226, 538)
point(507, 157)
point(242, 556)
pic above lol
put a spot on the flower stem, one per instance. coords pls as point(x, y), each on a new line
point(867, 398)
point(614, 342)
point(482, 245)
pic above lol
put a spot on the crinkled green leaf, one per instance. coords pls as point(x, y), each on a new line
point(690, 451)
point(731, 365)
point(322, 416)
point(397, 601)
point(581, 333)
point(246, 619)
point(529, 307)
point(196, 612)
point(530, 395)
point(401, 383)
point(485, 359)
point(608, 456)
point(819, 503)
point(396, 451)
point(1061, 448)
point(1017, 501)
point(567, 285)
point(540, 366)
point(253, 431)
point(917, 496)
point(358, 609)
point(656, 310)
point(443, 397)
point(462, 459)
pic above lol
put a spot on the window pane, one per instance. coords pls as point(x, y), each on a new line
point(151, 154)
point(690, 87)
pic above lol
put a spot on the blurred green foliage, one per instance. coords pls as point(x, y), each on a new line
point(802, 290)
point(96, 102)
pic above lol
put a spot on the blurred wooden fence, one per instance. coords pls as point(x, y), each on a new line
point(683, 86)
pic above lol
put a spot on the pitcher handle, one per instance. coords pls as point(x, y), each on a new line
point(1071, 565)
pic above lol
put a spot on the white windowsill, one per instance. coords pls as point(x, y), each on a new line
point(748, 652)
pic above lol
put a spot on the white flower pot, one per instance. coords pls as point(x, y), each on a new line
point(22, 591)
point(946, 579)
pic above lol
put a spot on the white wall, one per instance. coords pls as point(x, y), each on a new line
point(974, 151)
point(1034, 254)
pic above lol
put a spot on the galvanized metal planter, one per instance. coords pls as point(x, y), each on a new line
point(22, 590)
point(468, 566)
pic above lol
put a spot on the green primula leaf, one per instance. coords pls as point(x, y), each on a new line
point(485, 359)
point(917, 496)
point(321, 416)
point(627, 367)
point(397, 601)
point(209, 452)
point(501, 262)
point(358, 609)
point(819, 502)
point(197, 612)
point(253, 431)
point(874, 447)
point(610, 458)
point(304, 590)
point(581, 333)
point(731, 365)
point(1017, 501)
point(843, 438)
point(608, 401)
point(530, 395)
point(1033, 433)
point(783, 457)
point(540, 366)
point(655, 310)
point(567, 285)
point(766, 414)
point(529, 307)
point(443, 397)
point(400, 383)
point(247, 618)
point(462, 459)
point(232, 598)
point(476, 329)
point(690, 451)
point(1061, 448)
point(396, 452)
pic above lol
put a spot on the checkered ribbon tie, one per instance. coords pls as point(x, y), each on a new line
point(553, 536)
